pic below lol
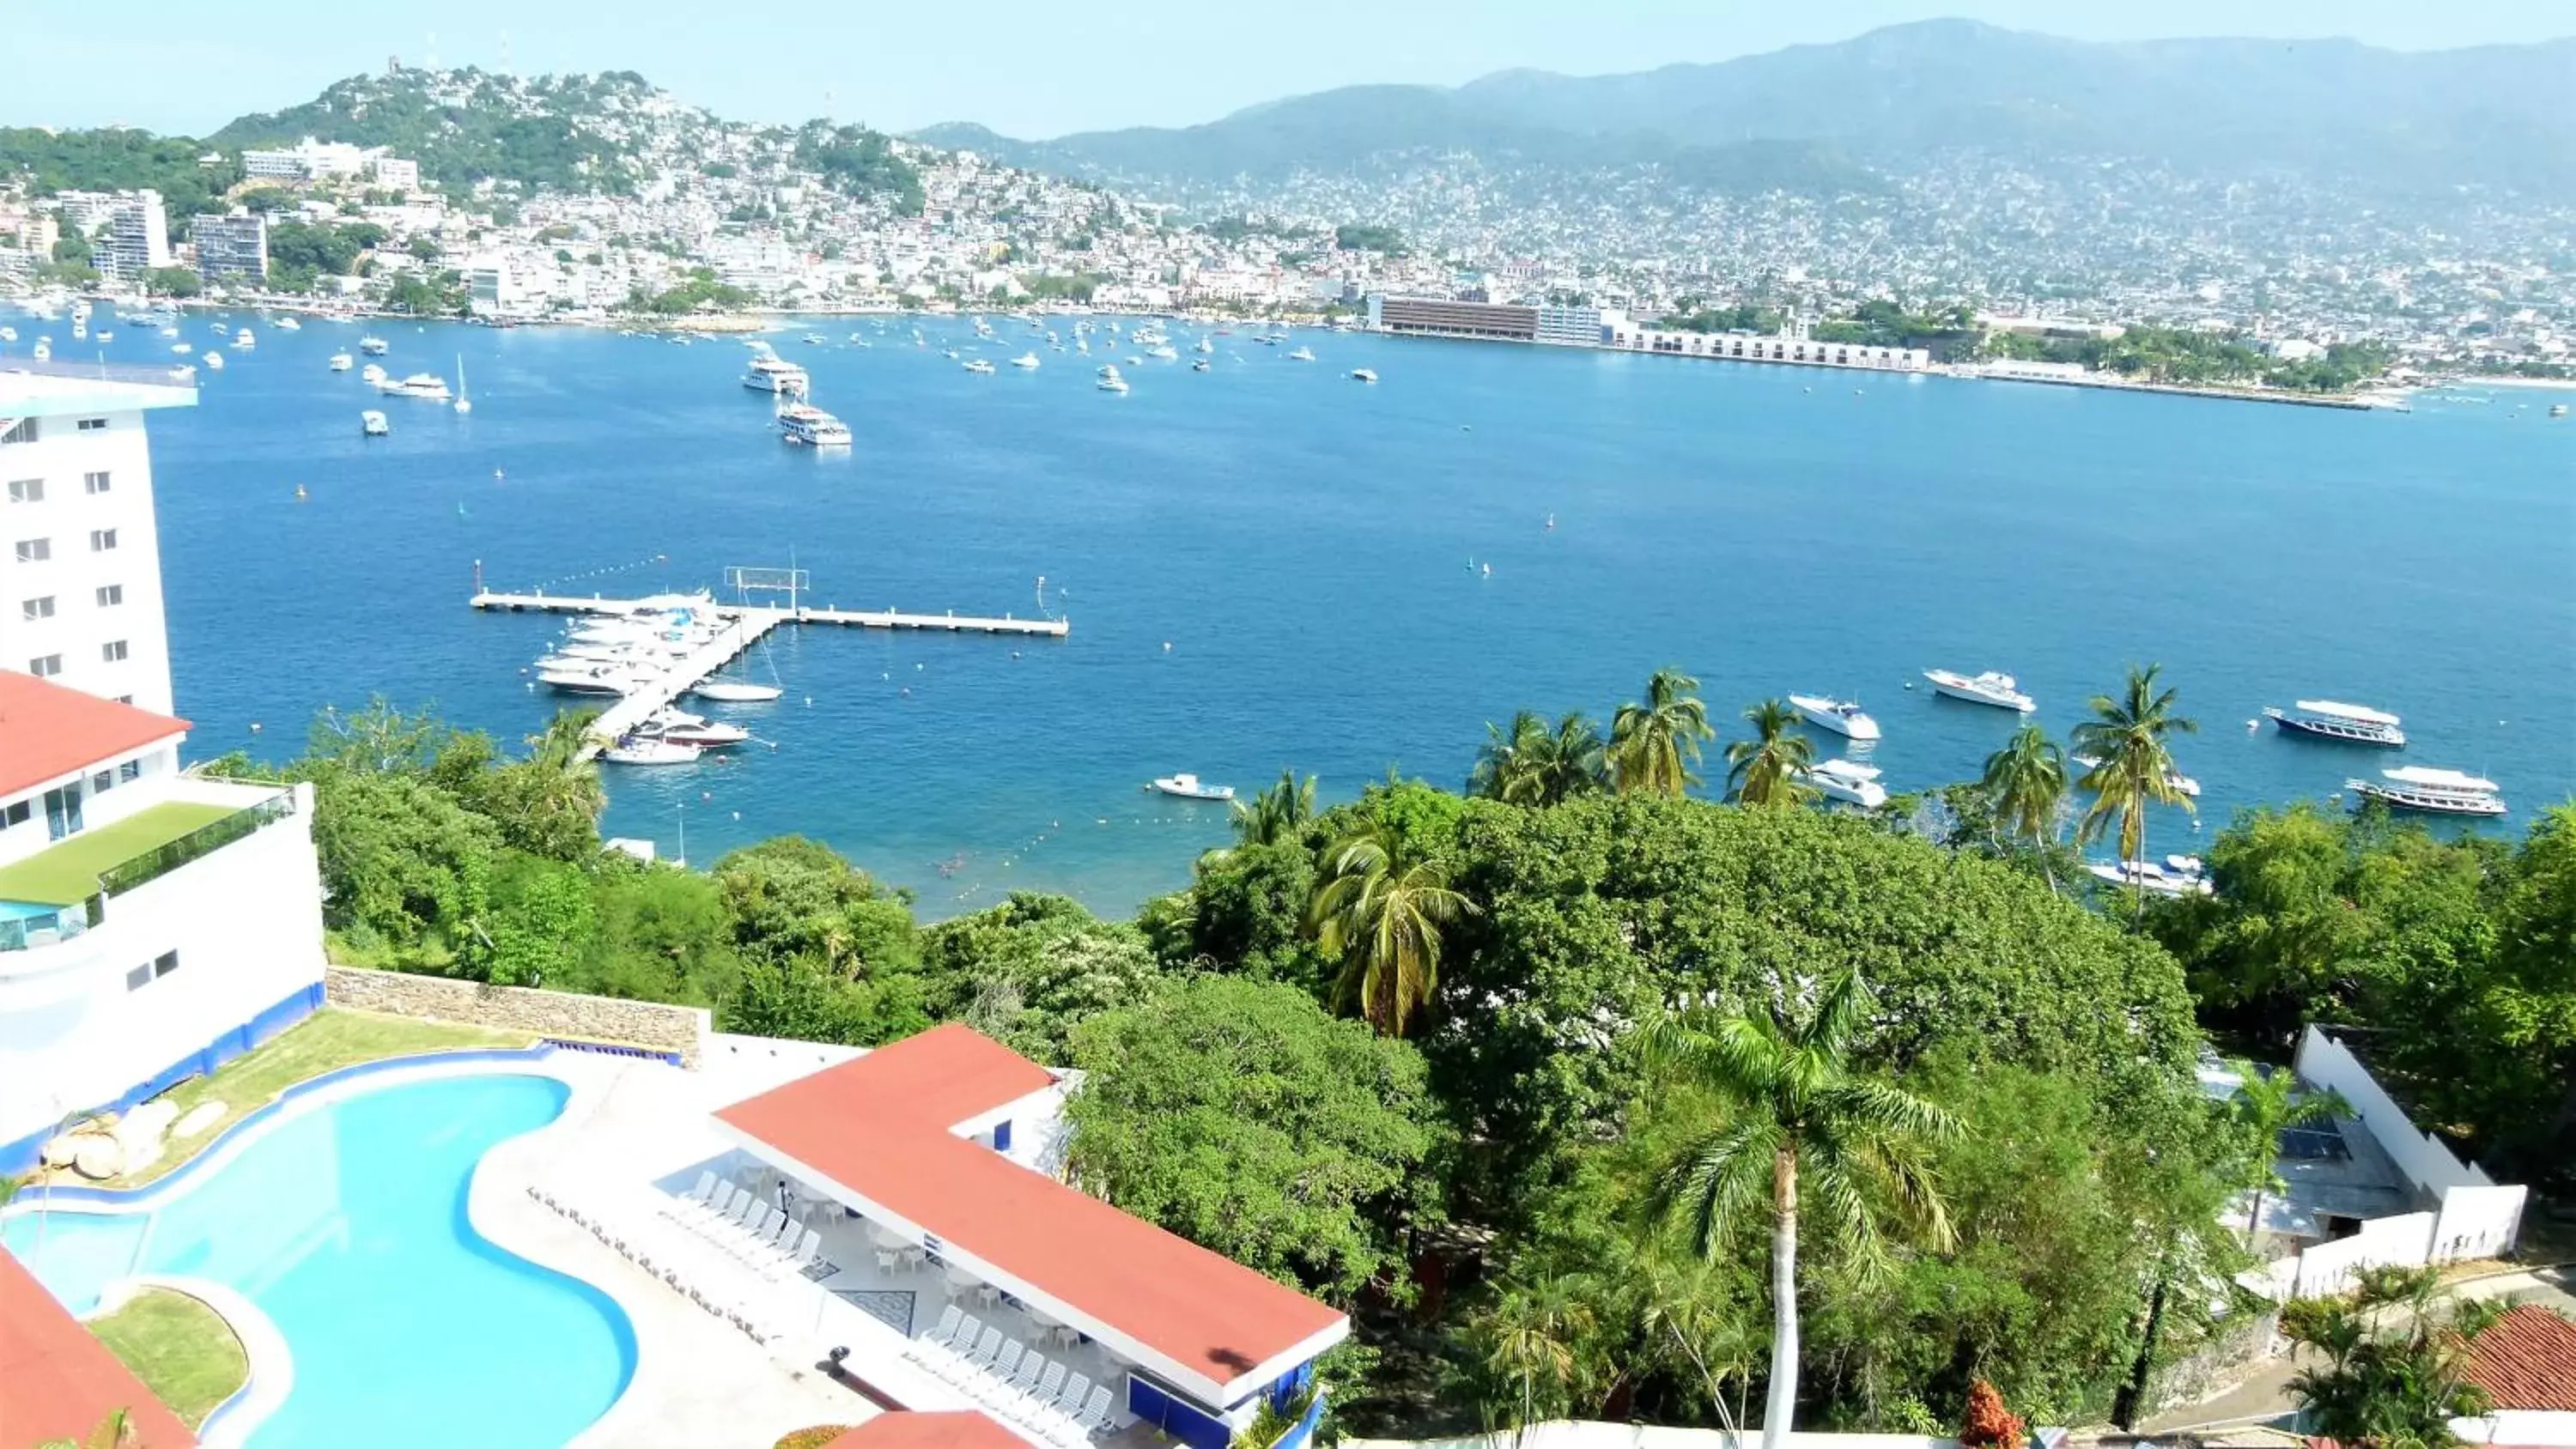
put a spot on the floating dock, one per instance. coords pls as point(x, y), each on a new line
point(740, 627)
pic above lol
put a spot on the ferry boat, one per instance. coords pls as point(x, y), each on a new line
point(2352, 723)
point(2178, 875)
point(735, 691)
point(1191, 787)
point(342, 362)
point(1842, 716)
point(1845, 780)
point(427, 386)
point(1363, 374)
point(2435, 792)
point(1990, 687)
point(811, 427)
point(372, 424)
point(373, 346)
point(2182, 784)
point(770, 373)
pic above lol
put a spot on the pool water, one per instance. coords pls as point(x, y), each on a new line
point(346, 1224)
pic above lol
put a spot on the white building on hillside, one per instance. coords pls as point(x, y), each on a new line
point(80, 557)
point(137, 238)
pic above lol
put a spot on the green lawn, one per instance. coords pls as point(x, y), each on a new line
point(182, 1350)
point(326, 1041)
point(66, 872)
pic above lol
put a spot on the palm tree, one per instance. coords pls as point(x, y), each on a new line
point(1801, 1111)
point(1764, 770)
point(1276, 814)
point(559, 749)
point(2131, 768)
point(1653, 745)
point(1537, 1335)
point(2394, 1369)
point(2025, 783)
point(1532, 764)
point(1380, 907)
point(2269, 1104)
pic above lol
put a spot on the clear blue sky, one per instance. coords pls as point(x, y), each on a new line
point(1038, 69)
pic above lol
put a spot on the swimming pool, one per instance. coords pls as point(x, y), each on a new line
point(346, 1224)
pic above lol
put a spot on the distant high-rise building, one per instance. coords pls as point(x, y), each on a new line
point(137, 239)
point(231, 246)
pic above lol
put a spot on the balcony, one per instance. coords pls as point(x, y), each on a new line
point(61, 891)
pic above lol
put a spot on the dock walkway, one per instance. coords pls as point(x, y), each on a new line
point(742, 627)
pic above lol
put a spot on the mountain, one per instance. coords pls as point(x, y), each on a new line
point(2413, 121)
point(571, 132)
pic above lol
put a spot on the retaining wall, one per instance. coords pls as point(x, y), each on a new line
point(676, 1031)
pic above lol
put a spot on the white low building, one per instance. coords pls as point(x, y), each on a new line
point(152, 924)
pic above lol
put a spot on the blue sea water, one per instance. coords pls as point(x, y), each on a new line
point(1270, 565)
point(346, 1225)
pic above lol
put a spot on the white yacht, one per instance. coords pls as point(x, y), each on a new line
point(1026, 362)
point(428, 386)
point(10, 334)
point(1163, 353)
point(1989, 687)
point(2178, 875)
point(1847, 781)
point(1191, 787)
point(373, 374)
point(735, 691)
point(682, 728)
point(1302, 354)
point(2437, 792)
point(372, 424)
point(214, 361)
point(2182, 783)
point(1363, 374)
point(245, 338)
point(287, 324)
point(589, 678)
point(1110, 381)
point(2354, 723)
point(811, 427)
point(979, 367)
point(373, 346)
point(650, 750)
point(342, 362)
point(772, 373)
point(1842, 716)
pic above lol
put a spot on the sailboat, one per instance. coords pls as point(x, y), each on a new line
point(464, 404)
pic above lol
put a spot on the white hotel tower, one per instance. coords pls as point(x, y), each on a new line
point(153, 922)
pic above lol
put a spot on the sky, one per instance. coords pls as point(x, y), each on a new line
point(1037, 68)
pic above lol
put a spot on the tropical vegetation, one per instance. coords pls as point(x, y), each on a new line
point(2388, 1362)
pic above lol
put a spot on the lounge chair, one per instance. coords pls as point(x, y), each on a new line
point(695, 1196)
point(997, 1374)
point(1040, 1400)
point(1095, 1411)
point(1070, 1401)
point(946, 1328)
point(706, 1211)
point(970, 1362)
point(1024, 1379)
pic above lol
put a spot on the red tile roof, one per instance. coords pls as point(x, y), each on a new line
point(879, 1127)
point(902, 1430)
point(48, 731)
point(2527, 1361)
point(57, 1381)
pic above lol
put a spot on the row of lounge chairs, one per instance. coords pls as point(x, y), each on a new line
point(688, 1261)
point(743, 1223)
point(1013, 1381)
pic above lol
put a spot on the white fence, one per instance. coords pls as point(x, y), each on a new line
point(2323, 1062)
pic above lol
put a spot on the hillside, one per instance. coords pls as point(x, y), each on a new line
point(2407, 121)
point(571, 133)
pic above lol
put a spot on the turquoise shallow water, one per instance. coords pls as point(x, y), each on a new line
point(1303, 543)
point(347, 1226)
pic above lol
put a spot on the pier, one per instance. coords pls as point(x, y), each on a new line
point(740, 627)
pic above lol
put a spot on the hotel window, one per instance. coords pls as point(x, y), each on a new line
point(139, 977)
point(22, 431)
point(38, 608)
point(112, 652)
point(164, 964)
point(130, 770)
point(102, 782)
point(35, 550)
point(17, 814)
point(62, 811)
point(26, 490)
point(93, 425)
point(94, 482)
point(45, 666)
point(101, 539)
point(110, 595)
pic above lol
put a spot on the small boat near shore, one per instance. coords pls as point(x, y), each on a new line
point(2431, 791)
point(649, 750)
point(2176, 875)
point(1989, 688)
point(1190, 787)
point(735, 691)
point(2352, 723)
point(1845, 780)
point(1842, 716)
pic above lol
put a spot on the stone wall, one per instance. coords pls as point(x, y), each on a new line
point(648, 1024)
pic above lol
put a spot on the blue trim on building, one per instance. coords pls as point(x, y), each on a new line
point(1176, 1416)
point(1002, 1135)
point(1302, 1432)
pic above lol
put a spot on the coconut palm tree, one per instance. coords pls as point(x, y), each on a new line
point(2269, 1104)
point(2025, 783)
point(1653, 745)
point(2131, 768)
point(1764, 769)
point(1806, 1128)
point(1535, 1346)
point(1276, 814)
point(1533, 764)
point(1380, 908)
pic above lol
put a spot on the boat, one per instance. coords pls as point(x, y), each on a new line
point(2436, 792)
point(1363, 374)
point(1163, 353)
point(1026, 362)
point(1844, 780)
point(590, 679)
point(372, 424)
point(245, 338)
point(342, 362)
point(1110, 381)
point(44, 349)
point(1199, 364)
point(1302, 354)
point(8, 334)
point(428, 386)
point(2179, 875)
point(214, 362)
point(2353, 723)
point(2181, 783)
point(371, 374)
point(1990, 687)
point(464, 404)
point(1205, 345)
point(735, 691)
point(683, 728)
point(287, 324)
point(181, 348)
point(1841, 716)
point(811, 427)
point(373, 346)
point(813, 339)
point(650, 750)
point(979, 367)
point(2558, 410)
point(771, 373)
point(1190, 787)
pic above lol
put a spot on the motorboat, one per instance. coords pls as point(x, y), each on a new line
point(44, 349)
point(2435, 792)
point(427, 386)
point(1110, 381)
point(682, 728)
point(342, 362)
point(214, 361)
point(1205, 345)
point(245, 338)
point(1191, 787)
point(1842, 716)
point(2177, 875)
point(1302, 354)
point(811, 427)
point(464, 404)
point(1363, 374)
point(979, 367)
point(287, 324)
point(1844, 780)
point(10, 334)
point(771, 373)
point(735, 691)
point(2352, 723)
point(1163, 353)
point(590, 679)
point(813, 339)
point(372, 424)
point(2181, 783)
point(1200, 364)
point(1026, 362)
point(372, 374)
point(373, 346)
point(1990, 687)
point(650, 750)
